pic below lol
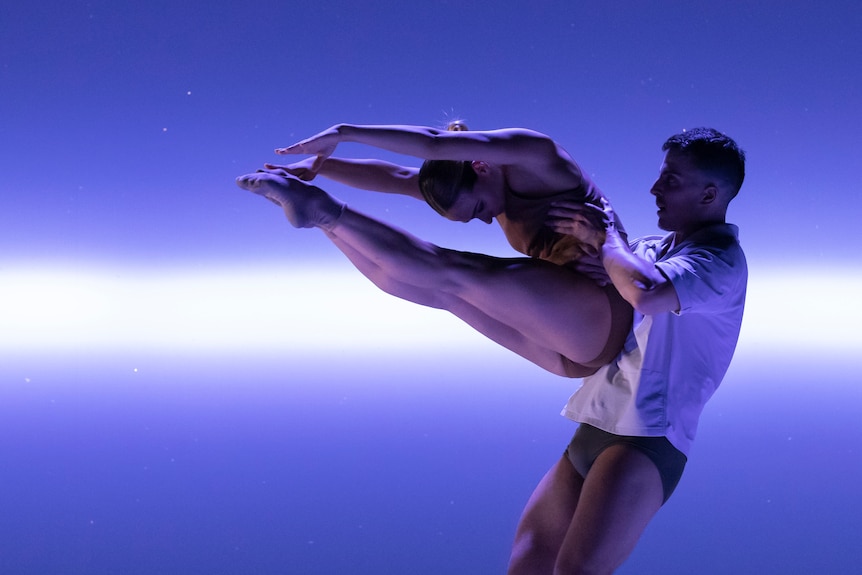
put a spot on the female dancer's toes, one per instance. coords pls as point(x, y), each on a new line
point(305, 206)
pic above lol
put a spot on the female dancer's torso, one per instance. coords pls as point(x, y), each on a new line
point(525, 217)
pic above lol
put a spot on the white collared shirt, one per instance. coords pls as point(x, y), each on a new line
point(672, 363)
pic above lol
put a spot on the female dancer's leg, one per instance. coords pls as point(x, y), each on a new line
point(549, 314)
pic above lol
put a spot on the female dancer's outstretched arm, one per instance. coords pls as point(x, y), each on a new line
point(519, 148)
point(364, 174)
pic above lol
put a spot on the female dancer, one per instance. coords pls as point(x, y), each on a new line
point(513, 175)
point(541, 307)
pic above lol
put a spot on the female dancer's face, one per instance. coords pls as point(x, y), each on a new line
point(484, 202)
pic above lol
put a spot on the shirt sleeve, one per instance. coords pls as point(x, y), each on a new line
point(704, 275)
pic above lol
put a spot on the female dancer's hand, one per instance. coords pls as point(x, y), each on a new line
point(321, 145)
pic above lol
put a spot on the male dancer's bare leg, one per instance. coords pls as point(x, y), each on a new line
point(546, 313)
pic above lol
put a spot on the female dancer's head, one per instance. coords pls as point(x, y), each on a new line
point(448, 187)
point(442, 182)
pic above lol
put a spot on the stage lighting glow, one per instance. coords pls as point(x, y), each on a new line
point(803, 308)
point(262, 309)
point(295, 308)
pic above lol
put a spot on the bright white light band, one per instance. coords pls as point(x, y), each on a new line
point(265, 309)
point(292, 309)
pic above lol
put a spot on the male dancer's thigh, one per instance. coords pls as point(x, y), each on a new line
point(620, 495)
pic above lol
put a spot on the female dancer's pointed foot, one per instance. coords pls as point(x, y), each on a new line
point(305, 206)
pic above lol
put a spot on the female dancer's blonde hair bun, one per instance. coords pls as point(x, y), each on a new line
point(456, 126)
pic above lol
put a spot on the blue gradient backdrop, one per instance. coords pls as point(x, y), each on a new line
point(188, 385)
